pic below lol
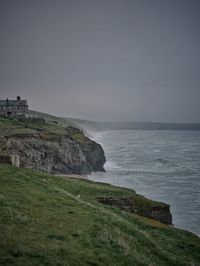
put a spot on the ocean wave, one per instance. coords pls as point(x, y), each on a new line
point(168, 169)
point(171, 166)
point(165, 162)
point(111, 166)
point(161, 173)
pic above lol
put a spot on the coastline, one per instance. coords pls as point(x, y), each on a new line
point(164, 184)
point(73, 176)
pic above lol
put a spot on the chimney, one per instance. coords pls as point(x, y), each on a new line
point(7, 101)
point(18, 98)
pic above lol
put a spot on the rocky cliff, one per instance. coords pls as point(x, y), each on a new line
point(63, 151)
point(139, 205)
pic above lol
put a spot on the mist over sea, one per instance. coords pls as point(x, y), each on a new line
point(163, 165)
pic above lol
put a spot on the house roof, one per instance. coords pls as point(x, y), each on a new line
point(13, 102)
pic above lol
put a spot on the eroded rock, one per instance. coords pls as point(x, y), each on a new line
point(72, 153)
point(159, 212)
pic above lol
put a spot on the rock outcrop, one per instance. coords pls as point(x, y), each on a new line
point(69, 153)
point(159, 212)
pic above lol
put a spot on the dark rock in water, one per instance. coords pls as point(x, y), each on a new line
point(72, 153)
point(159, 212)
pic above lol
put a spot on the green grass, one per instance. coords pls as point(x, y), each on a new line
point(41, 124)
point(79, 137)
point(63, 121)
point(48, 127)
point(49, 220)
point(11, 126)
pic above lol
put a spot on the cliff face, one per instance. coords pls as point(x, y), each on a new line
point(159, 212)
point(68, 153)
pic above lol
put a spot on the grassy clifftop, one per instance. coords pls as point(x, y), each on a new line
point(49, 220)
point(11, 126)
point(49, 145)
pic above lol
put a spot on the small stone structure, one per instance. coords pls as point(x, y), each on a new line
point(15, 160)
point(13, 108)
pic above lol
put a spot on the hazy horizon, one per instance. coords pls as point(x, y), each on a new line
point(103, 60)
point(124, 121)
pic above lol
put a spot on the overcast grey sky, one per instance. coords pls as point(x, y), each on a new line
point(103, 59)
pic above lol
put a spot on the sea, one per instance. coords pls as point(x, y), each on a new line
point(163, 165)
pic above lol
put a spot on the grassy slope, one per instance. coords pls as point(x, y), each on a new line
point(29, 125)
point(43, 221)
point(52, 124)
point(10, 126)
point(49, 129)
point(49, 117)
